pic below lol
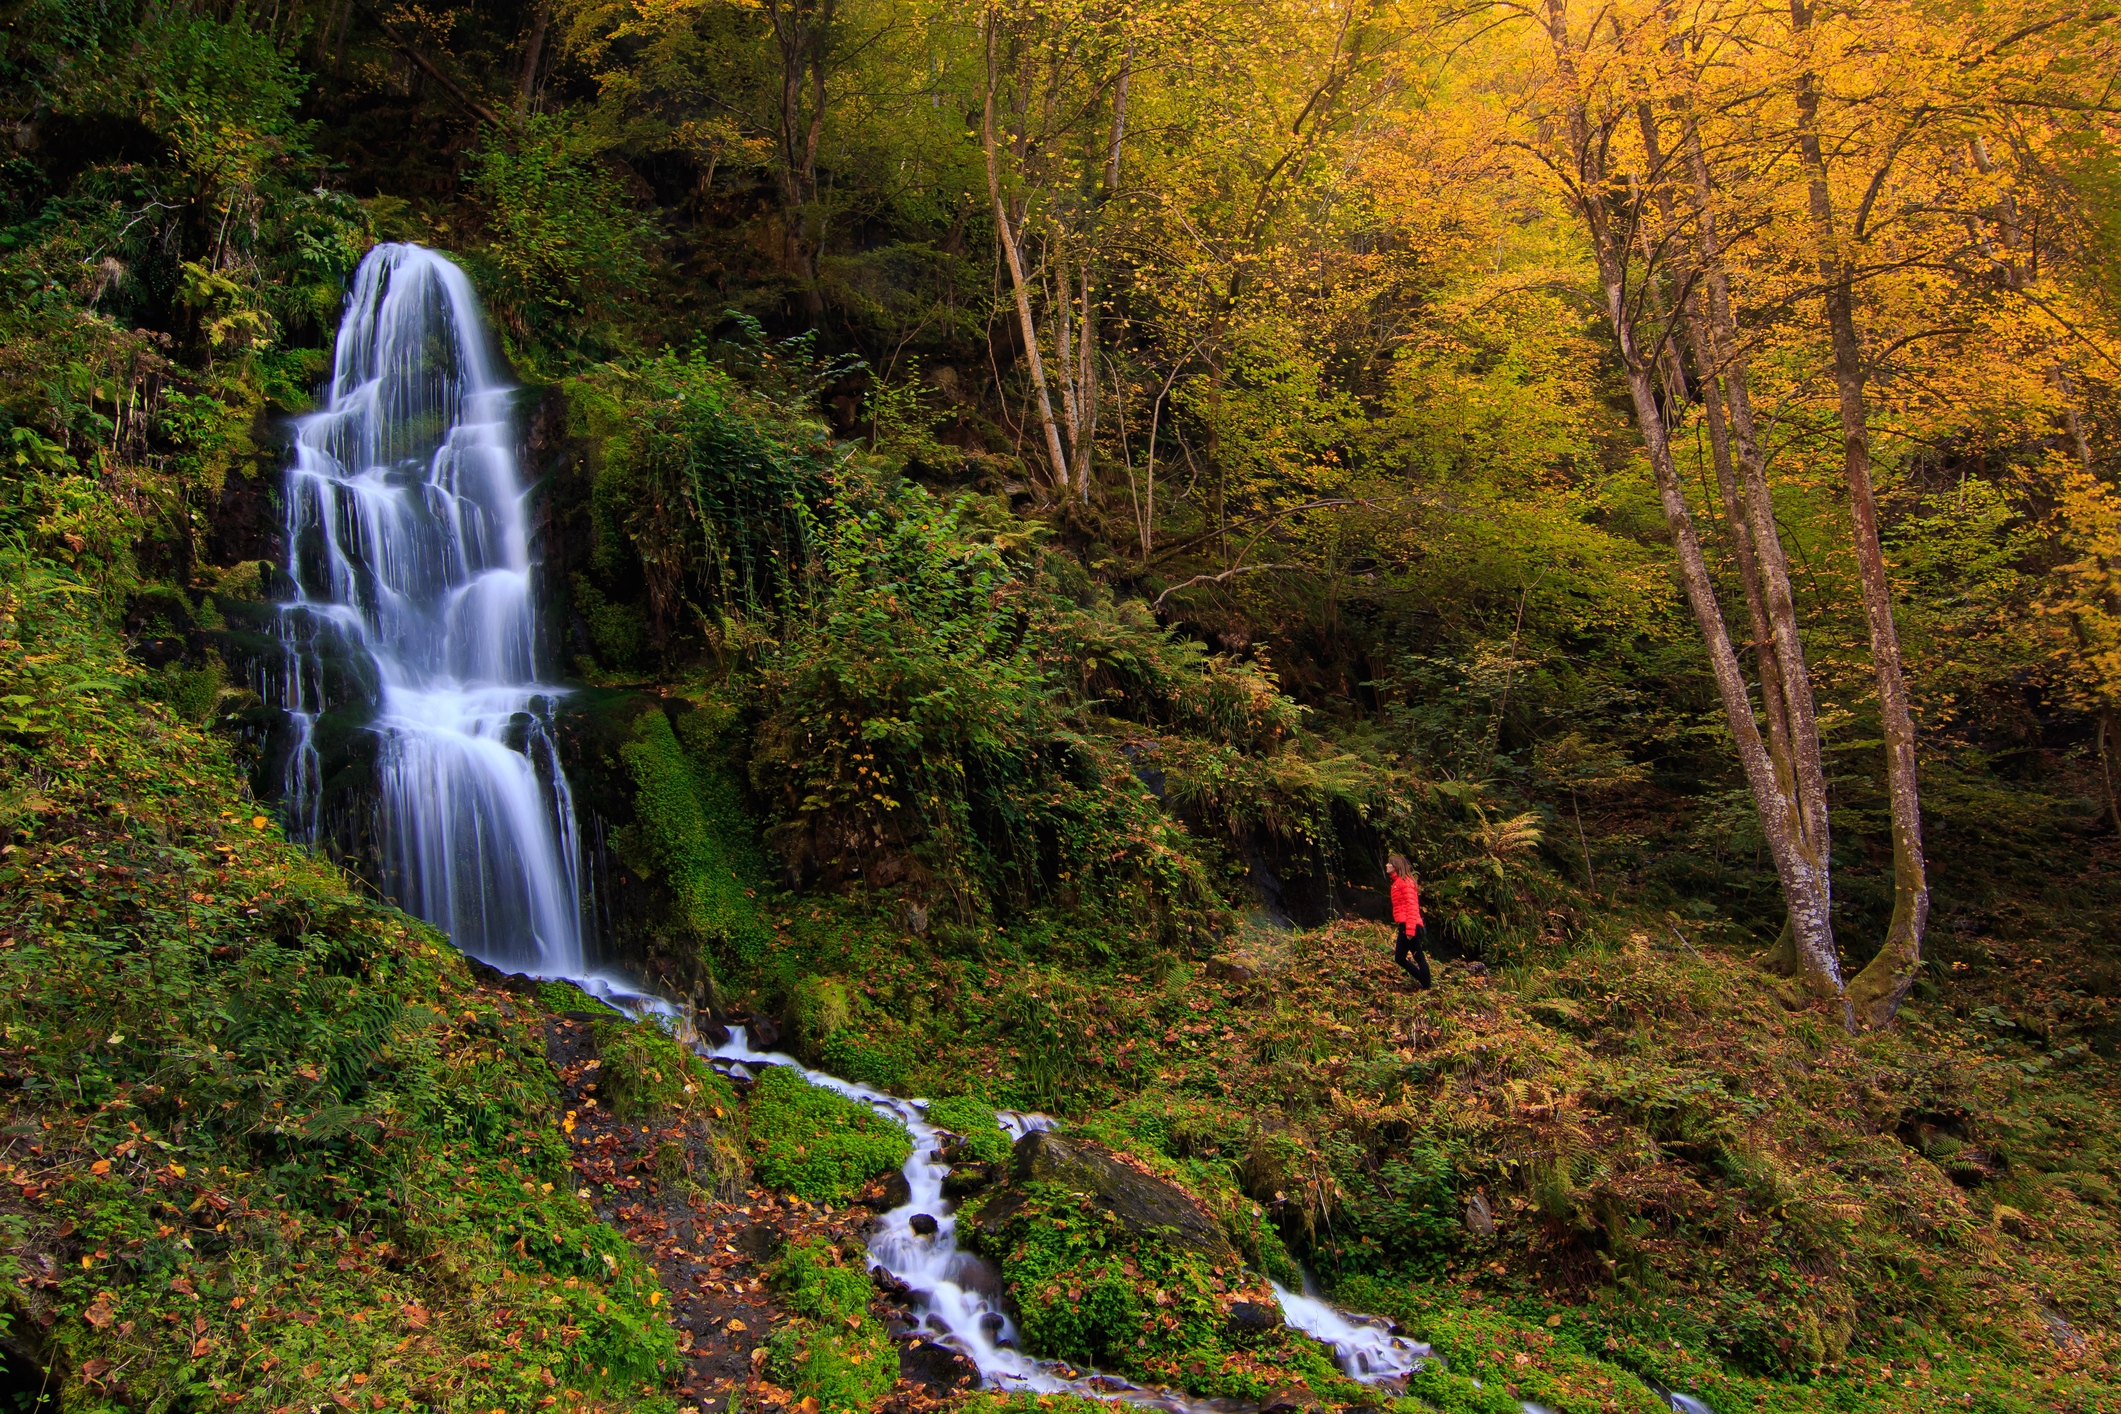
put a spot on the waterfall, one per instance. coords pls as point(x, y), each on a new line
point(413, 621)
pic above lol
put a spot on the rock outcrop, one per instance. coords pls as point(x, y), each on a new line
point(1144, 1204)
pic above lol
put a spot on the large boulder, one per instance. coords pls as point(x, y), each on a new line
point(1144, 1205)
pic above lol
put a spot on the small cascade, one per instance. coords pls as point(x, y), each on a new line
point(960, 1296)
point(408, 545)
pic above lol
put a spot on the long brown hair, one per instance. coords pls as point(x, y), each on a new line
point(1398, 865)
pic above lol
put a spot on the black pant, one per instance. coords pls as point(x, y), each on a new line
point(1418, 968)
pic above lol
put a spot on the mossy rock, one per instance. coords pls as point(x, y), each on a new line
point(975, 1122)
point(559, 998)
point(1091, 1292)
point(817, 1007)
point(1143, 1205)
point(816, 1143)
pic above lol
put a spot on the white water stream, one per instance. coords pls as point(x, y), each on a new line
point(959, 1297)
point(414, 619)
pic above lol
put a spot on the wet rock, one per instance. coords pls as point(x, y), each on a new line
point(761, 1032)
point(923, 1225)
point(969, 1272)
point(1248, 1320)
point(936, 1367)
point(761, 1242)
point(1289, 1399)
point(990, 1324)
point(996, 1212)
point(1480, 1219)
point(884, 1194)
point(967, 1179)
point(713, 1033)
point(1144, 1205)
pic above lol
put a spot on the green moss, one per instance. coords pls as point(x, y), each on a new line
point(1090, 1293)
point(691, 827)
point(818, 1144)
point(834, 1351)
point(561, 997)
point(974, 1122)
point(264, 1101)
point(882, 1062)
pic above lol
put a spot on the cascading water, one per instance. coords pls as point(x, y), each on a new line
point(960, 1298)
point(413, 621)
point(408, 545)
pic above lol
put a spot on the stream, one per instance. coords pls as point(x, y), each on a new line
point(959, 1296)
point(412, 626)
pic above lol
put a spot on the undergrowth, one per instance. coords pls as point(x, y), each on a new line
point(834, 1351)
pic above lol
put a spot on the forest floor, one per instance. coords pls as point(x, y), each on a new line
point(714, 1254)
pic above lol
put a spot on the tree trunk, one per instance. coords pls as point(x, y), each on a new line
point(1780, 818)
point(1719, 335)
point(1014, 259)
point(533, 53)
point(2107, 774)
point(1879, 989)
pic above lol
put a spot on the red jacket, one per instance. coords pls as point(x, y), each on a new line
point(1406, 902)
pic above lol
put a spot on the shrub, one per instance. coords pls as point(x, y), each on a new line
point(817, 1143)
point(974, 1122)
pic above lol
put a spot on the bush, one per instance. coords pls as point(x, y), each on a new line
point(974, 1122)
point(819, 1144)
point(563, 236)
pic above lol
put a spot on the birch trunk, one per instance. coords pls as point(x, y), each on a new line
point(1879, 989)
point(1056, 458)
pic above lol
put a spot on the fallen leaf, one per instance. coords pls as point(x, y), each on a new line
point(100, 1167)
point(737, 1325)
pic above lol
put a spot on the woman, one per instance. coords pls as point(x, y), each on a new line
point(1406, 911)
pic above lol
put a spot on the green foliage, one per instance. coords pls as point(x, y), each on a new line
point(816, 1143)
point(565, 242)
point(645, 1072)
point(972, 1121)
